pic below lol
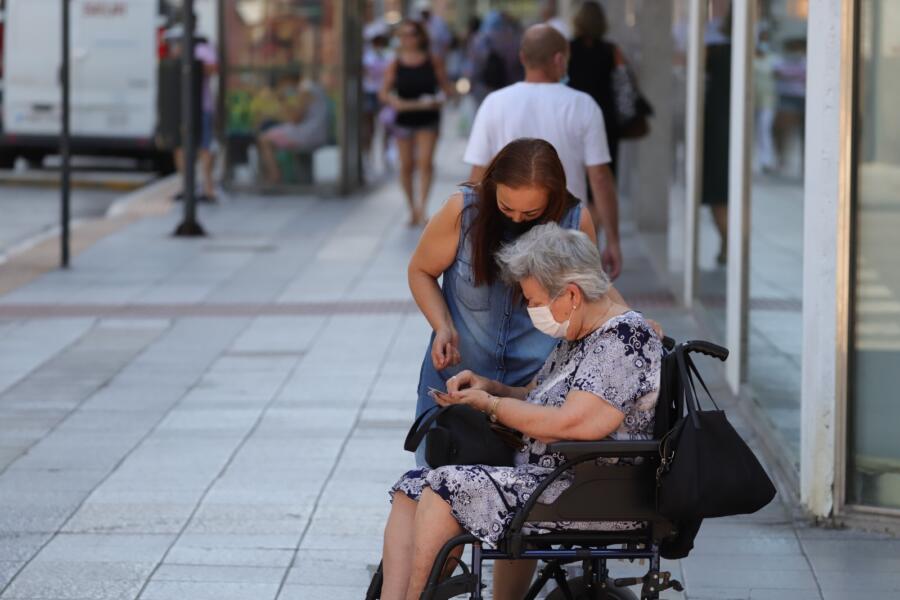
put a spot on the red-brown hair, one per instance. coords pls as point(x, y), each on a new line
point(523, 163)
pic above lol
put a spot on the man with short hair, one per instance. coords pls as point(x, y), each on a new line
point(542, 107)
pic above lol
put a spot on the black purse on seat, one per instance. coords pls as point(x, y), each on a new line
point(461, 435)
point(706, 469)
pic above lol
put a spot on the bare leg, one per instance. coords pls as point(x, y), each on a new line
point(398, 547)
point(206, 163)
point(179, 160)
point(720, 216)
point(179, 166)
point(407, 166)
point(426, 141)
point(512, 578)
point(435, 525)
point(271, 172)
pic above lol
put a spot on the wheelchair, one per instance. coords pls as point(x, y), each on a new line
point(598, 493)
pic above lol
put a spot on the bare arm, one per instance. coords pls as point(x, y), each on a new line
point(477, 174)
point(386, 93)
point(434, 254)
point(467, 380)
point(583, 416)
point(443, 81)
point(606, 205)
point(586, 224)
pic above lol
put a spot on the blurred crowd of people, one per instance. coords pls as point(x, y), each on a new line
point(412, 68)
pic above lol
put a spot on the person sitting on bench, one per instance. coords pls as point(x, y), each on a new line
point(305, 129)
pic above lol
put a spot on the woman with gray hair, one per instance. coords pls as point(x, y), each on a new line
point(601, 381)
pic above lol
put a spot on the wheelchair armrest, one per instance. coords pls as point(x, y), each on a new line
point(606, 448)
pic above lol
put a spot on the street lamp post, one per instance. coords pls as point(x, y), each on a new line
point(189, 227)
point(64, 141)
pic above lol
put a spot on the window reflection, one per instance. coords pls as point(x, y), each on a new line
point(875, 411)
point(282, 90)
point(774, 326)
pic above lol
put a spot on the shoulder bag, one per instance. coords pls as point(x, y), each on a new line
point(706, 470)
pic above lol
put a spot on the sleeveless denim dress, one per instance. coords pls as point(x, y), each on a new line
point(496, 337)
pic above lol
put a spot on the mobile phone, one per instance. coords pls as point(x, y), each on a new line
point(436, 393)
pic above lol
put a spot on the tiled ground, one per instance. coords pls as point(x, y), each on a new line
point(245, 454)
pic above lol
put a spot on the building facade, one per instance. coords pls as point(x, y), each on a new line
point(777, 146)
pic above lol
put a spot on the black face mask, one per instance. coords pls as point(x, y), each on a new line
point(513, 229)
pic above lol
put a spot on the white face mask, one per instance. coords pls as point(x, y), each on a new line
point(543, 321)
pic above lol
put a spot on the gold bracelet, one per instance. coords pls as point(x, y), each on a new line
point(492, 411)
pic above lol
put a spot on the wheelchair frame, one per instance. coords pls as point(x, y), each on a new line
point(629, 492)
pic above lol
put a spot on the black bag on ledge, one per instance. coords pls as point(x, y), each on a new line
point(706, 469)
point(461, 436)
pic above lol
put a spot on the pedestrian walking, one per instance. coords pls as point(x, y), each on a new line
point(597, 67)
point(205, 55)
point(415, 86)
point(550, 17)
point(375, 61)
point(764, 104)
point(493, 55)
point(542, 107)
point(716, 136)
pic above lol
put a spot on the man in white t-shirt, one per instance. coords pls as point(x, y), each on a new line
point(542, 107)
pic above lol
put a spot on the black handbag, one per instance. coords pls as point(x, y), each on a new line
point(706, 470)
point(461, 435)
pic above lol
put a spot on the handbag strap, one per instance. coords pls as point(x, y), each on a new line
point(688, 370)
point(420, 427)
point(687, 386)
point(693, 368)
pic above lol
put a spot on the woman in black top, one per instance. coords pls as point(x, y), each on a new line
point(412, 86)
point(591, 64)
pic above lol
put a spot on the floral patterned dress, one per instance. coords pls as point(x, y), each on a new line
point(620, 363)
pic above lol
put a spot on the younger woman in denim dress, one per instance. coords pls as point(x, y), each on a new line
point(479, 323)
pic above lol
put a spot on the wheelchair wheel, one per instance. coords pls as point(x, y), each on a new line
point(579, 590)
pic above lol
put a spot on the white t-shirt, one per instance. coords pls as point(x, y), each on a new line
point(567, 118)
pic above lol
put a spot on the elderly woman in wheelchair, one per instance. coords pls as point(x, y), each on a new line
point(601, 382)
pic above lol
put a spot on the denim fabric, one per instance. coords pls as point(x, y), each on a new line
point(496, 337)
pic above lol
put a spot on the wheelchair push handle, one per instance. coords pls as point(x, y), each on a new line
point(707, 348)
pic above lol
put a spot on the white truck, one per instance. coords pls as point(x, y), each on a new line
point(115, 50)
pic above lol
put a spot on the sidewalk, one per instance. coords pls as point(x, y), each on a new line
point(221, 418)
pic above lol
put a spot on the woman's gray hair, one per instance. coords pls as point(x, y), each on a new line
point(555, 257)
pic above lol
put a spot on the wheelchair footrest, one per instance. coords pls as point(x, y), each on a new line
point(464, 583)
point(653, 583)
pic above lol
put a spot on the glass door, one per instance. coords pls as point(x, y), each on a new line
point(873, 402)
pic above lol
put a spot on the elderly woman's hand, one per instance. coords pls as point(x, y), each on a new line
point(477, 399)
point(466, 379)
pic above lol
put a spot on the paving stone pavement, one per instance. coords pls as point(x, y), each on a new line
point(237, 440)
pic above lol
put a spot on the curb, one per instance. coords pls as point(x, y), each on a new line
point(38, 255)
point(90, 183)
point(165, 187)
